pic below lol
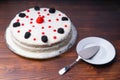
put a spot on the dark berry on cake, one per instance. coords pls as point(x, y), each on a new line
point(16, 24)
point(27, 35)
point(64, 19)
point(22, 15)
point(60, 30)
point(37, 8)
point(52, 10)
point(44, 39)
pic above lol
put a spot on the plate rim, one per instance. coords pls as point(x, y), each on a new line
point(94, 37)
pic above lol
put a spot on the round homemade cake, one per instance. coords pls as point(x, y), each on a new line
point(40, 33)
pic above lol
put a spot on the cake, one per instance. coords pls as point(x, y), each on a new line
point(40, 33)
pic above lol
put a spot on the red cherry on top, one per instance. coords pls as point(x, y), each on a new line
point(40, 20)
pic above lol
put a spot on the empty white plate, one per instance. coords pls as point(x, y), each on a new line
point(106, 53)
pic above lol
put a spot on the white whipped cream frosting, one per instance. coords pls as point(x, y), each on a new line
point(29, 24)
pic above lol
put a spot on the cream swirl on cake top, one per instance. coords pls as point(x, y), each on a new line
point(40, 26)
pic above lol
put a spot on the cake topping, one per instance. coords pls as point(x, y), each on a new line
point(45, 9)
point(18, 31)
point(65, 26)
point(22, 15)
point(57, 19)
point(64, 19)
point(38, 12)
point(17, 20)
point(40, 20)
point(54, 30)
point(28, 10)
point(43, 33)
point(34, 39)
point(60, 30)
point(41, 26)
point(33, 25)
point(52, 10)
point(37, 8)
point(22, 24)
point(54, 37)
point(44, 39)
point(31, 22)
point(49, 20)
point(29, 30)
point(31, 19)
point(27, 35)
point(27, 16)
point(48, 14)
point(16, 24)
point(59, 14)
point(49, 26)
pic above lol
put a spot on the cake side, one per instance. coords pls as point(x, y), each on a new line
point(39, 49)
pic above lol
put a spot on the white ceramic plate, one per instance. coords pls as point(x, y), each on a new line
point(106, 53)
point(40, 55)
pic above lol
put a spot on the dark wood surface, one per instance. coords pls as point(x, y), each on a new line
point(91, 18)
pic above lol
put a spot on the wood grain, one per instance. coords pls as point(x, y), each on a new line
point(91, 18)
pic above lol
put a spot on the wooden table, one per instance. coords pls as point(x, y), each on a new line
point(91, 18)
